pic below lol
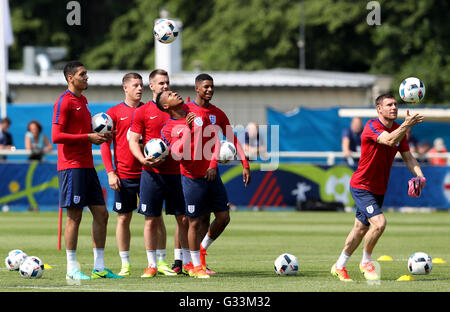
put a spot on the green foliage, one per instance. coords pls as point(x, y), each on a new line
point(412, 39)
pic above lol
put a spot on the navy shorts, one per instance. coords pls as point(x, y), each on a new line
point(126, 199)
point(203, 197)
point(159, 188)
point(79, 187)
point(368, 204)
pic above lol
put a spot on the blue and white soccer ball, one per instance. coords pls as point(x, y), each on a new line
point(227, 152)
point(420, 263)
point(412, 90)
point(14, 259)
point(165, 30)
point(31, 267)
point(286, 264)
point(102, 123)
point(156, 148)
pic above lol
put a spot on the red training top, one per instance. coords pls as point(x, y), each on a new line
point(70, 127)
point(376, 159)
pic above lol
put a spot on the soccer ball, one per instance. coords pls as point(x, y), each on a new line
point(165, 30)
point(412, 90)
point(227, 152)
point(286, 264)
point(14, 259)
point(420, 263)
point(102, 123)
point(32, 267)
point(156, 148)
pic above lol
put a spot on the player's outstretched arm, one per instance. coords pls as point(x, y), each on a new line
point(397, 135)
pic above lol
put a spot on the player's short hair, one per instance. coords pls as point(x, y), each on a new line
point(203, 77)
point(71, 68)
point(158, 101)
point(382, 97)
point(130, 76)
point(155, 72)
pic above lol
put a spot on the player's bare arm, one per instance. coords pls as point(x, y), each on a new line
point(397, 135)
point(246, 176)
point(412, 164)
point(135, 149)
point(114, 181)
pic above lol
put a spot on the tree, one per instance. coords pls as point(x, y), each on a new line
point(411, 40)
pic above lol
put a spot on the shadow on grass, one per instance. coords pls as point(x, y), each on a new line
point(266, 274)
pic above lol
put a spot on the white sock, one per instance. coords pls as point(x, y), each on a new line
point(99, 259)
point(161, 254)
point(186, 256)
point(125, 256)
point(207, 241)
point(342, 261)
point(177, 254)
point(367, 257)
point(71, 259)
point(195, 255)
point(151, 258)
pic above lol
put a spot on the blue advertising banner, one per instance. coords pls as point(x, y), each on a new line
point(34, 186)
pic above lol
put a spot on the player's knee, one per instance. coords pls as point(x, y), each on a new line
point(379, 227)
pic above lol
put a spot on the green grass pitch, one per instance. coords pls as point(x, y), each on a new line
point(243, 256)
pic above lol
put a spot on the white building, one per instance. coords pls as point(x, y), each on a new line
point(243, 96)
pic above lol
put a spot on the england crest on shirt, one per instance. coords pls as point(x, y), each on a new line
point(76, 199)
point(213, 119)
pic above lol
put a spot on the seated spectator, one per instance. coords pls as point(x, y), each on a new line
point(36, 141)
point(422, 148)
point(351, 140)
point(6, 141)
point(254, 144)
point(438, 147)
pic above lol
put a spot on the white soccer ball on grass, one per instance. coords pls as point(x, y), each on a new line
point(286, 264)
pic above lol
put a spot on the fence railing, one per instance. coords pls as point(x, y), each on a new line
point(330, 157)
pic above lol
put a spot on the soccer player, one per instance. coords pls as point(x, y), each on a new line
point(204, 88)
point(381, 139)
point(160, 179)
point(79, 185)
point(202, 187)
point(125, 178)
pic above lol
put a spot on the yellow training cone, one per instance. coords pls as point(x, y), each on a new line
point(404, 278)
point(47, 266)
point(385, 258)
point(438, 260)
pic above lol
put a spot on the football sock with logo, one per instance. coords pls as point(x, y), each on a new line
point(177, 254)
point(161, 254)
